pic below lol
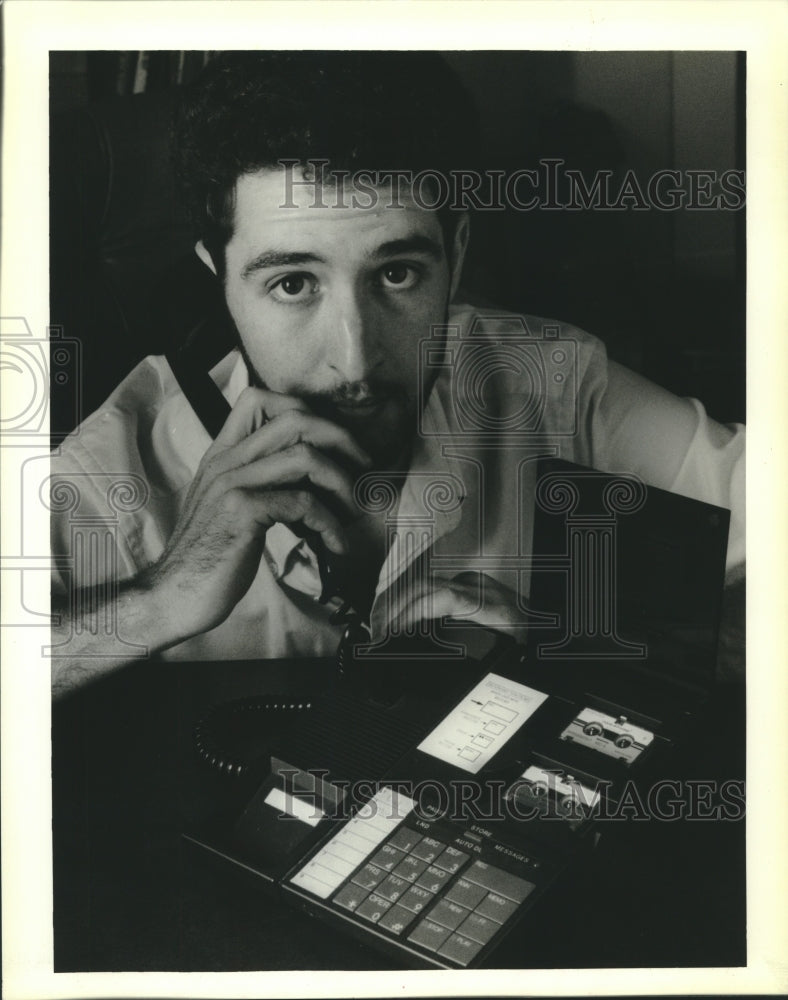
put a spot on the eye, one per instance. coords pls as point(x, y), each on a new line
point(399, 276)
point(294, 287)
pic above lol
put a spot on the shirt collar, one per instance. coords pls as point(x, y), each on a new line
point(179, 438)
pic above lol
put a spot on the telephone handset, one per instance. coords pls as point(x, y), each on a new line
point(190, 363)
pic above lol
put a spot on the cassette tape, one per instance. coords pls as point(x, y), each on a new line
point(553, 793)
point(607, 734)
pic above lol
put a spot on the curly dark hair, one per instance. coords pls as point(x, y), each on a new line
point(360, 110)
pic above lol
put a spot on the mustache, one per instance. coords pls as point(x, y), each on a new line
point(324, 403)
point(351, 394)
point(357, 393)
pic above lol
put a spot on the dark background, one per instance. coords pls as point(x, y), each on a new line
point(664, 290)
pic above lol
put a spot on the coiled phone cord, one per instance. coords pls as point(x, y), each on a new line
point(216, 732)
point(219, 733)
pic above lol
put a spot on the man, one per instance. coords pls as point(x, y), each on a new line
point(360, 385)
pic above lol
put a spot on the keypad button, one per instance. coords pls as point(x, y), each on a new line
point(498, 881)
point(369, 876)
point(350, 896)
point(410, 868)
point(373, 908)
point(416, 899)
point(478, 928)
point(496, 907)
point(396, 919)
point(452, 860)
point(429, 935)
point(387, 858)
point(466, 893)
point(434, 879)
point(460, 949)
point(405, 839)
point(448, 914)
point(428, 849)
point(392, 888)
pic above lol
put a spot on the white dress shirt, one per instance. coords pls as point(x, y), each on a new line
point(505, 393)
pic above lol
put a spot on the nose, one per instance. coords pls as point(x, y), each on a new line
point(354, 351)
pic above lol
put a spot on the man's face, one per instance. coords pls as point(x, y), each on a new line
point(331, 302)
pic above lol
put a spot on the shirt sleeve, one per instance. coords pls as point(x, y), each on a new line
point(88, 542)
point(112, 504)
point(633, 425)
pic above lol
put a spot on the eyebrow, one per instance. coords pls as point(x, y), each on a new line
point(280, 258)
point(392, 248)
point(411, 244)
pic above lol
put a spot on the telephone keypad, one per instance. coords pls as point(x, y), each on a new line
point(433, 879)
point(460, 949)
point(429, 935)
point(387, 858)
point(405, 839)
point(369, 876)
point(428, 849)
point(397, 919)
point(350, 896)
point(373, 907)
point(433, 895)
point(392, 888)
point(451, 860)
point(410, 868)
point(478, 928)
point(500, 882)
point(449, 914)
point(496, 907)
point(466, 893)
point(416, 898)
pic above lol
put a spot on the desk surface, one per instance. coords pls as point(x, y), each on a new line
point(128, 896)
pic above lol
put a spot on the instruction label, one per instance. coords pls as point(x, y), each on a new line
point(485, 720)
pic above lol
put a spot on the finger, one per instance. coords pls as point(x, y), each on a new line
point(298, 507)
point(407, 590)
point(296, 465)
point(465, 586)
point(439, 602)
point(294, 427)
point(254, 408)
